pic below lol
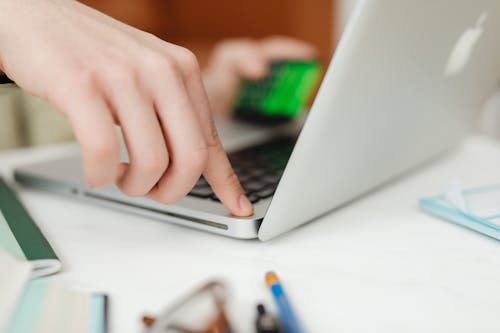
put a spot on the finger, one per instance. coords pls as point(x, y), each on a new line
point(251, 65)
point(221, 177)
point(93, 126)
point(232, 62)
point(241, 58)
point(218, 172)
point(142, 133)
point(182, 131)
point(286, 48)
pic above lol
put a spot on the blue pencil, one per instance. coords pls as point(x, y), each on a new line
point(287, 316)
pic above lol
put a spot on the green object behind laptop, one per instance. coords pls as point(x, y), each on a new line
point(282, 95)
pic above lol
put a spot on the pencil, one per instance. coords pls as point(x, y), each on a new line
point(286, 314)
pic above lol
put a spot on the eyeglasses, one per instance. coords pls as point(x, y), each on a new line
point(203, 311)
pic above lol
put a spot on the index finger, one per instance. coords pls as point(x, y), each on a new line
point(278, 48)
point(221, 177)
point(218, 171)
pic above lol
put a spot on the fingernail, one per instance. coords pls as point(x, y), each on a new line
point(245, 205)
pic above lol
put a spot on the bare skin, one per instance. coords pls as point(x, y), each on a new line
point(234, 60)
point(100, 72)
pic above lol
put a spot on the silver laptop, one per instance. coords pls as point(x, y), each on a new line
point(404, 85)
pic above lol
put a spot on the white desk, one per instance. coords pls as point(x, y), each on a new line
point(378, 265)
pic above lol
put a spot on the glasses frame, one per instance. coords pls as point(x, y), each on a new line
point(218, 324)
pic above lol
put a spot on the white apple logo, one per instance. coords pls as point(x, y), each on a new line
point(462, 52)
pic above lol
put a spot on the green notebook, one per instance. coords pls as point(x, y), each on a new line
point(21, 237)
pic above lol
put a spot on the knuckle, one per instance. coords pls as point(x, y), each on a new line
point(191, 163)
point(188, 60)
point(102, 149)
point(199, 159)
point(158, 63)
point(188, 167)
point(121, 71)
point(214, 137)
point(152, 37)
point(153, 163)
point(214, 144)
point(83, 78)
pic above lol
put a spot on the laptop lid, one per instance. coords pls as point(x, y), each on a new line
point(404, 85)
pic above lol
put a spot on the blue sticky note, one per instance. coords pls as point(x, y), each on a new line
point(482, 212)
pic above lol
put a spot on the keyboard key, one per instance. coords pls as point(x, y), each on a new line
point(253, 198)
point(201, 183)
point(259, 169)
point(253, 186)
point(257, 173)
point(265, 193)
point(273, 178)
point(202, 192)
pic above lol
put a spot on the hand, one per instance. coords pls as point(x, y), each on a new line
point(236, 60)
point(99, 72)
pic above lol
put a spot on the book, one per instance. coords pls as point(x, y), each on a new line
point(21, 237)
point(14, 275)
point(42, 305)
point(477, 209)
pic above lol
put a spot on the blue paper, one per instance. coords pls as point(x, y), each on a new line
point(482, 214)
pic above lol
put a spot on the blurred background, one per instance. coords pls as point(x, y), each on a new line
point(197, 25)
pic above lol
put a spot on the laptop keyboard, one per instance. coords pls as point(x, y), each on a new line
point(259, 169)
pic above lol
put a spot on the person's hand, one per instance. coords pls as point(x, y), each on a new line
point(235, 60)
point(99, 72)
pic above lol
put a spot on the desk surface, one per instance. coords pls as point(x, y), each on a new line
point(376, 265)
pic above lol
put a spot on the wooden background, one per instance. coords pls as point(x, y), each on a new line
point(198, 24)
